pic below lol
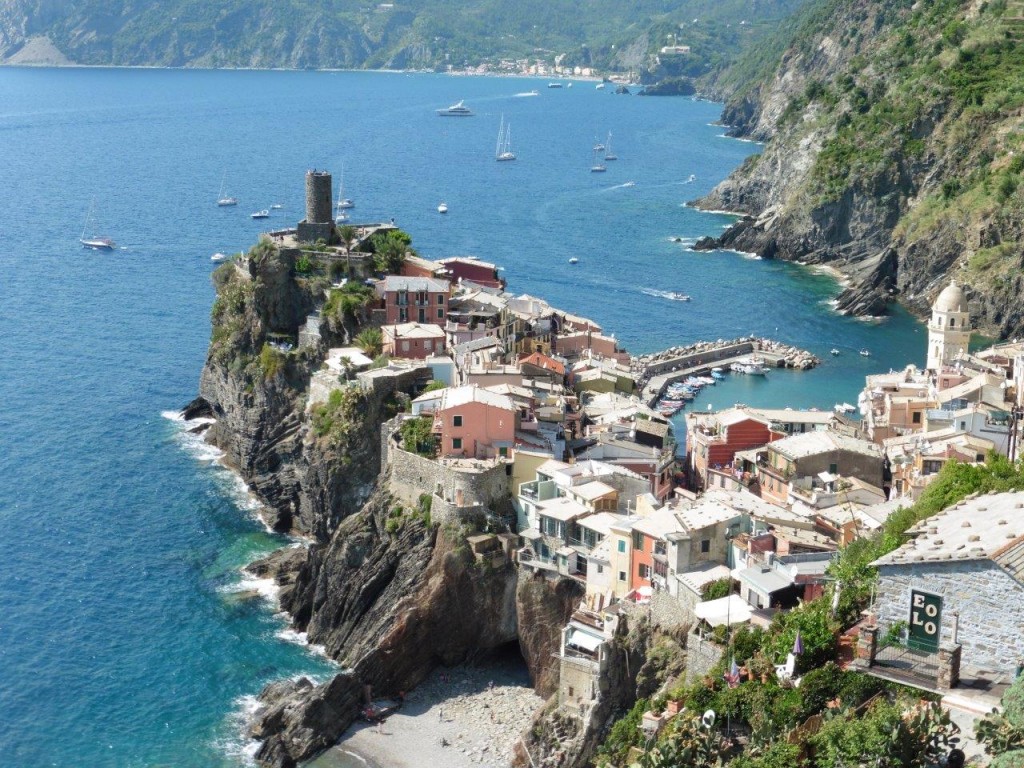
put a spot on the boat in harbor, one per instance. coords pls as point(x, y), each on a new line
point(503, 151)
point(865, 353)
point(834, 352)
point(843, 408)
point(458, 109)
point(222, 199)
point(263, 214)
point(599, 86)
point(717, 373)
point(752, 366)
point(95, 242)
point(442, 208)
point(554, 85)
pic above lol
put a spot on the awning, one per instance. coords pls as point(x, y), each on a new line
point(732, 609)
point(585, 641)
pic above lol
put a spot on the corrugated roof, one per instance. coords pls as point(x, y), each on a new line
point(814, 443)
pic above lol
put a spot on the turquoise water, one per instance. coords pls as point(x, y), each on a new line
point(123, 638)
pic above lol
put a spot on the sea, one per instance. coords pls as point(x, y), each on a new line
point(128, 635)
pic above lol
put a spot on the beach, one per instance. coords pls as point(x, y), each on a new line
point(463, 717)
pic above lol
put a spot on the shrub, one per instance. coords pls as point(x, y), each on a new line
point(418, 437)
point(714, 590)
point(371, 341)
point(272, 361)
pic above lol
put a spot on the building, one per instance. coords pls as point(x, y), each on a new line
point(471, 269)
point(475, 423)
point(414, 299)
point(960, 579)
point(949, 330)
point(412, 340)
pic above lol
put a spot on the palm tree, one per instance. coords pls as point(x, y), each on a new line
point(371, 341)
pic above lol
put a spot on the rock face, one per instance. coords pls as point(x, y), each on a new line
point(542, 609)
point(877, 163)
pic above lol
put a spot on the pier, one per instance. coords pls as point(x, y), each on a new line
point(657, 371)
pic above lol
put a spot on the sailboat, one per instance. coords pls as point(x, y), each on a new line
point(221, 199)
point(94, 242)
point(343, 202)
point(609, 155)
point(503, 151)
point(598, 166)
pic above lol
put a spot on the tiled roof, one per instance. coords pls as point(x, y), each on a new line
point(459, 396)
point(402, 283)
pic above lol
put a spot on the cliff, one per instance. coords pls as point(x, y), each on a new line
point(891, 131)
point(390, 588)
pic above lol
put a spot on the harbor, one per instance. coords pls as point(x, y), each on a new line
point(657, 373)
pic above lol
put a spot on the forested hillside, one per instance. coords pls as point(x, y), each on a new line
point(894, 151)
point(407, 34)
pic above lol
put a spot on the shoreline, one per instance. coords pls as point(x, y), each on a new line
point(457, 718)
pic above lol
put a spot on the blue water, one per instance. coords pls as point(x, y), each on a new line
point(123, 641)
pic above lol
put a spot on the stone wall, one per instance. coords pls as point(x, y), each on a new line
point(990, 603)
point(458, 489)
point(578, 680)
point(703, 356)
point(664, 611)
point(701, 656)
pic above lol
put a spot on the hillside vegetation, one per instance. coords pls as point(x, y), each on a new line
point(404, 34)
point(894, 140)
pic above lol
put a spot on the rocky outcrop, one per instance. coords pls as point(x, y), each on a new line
point(877, 163)
point(543, 607)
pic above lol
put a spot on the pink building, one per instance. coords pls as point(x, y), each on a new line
point(413, 340)
point(414, 299)
point(475, 423)
point(473, 270)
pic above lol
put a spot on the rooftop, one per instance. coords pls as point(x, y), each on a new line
point(989, 527)
point(413, 331)
point(764, 578)
point(703, 574)
point(562, 508)
point(593, 490)
point(455, 397)
point(814, 443)
point(402, 283)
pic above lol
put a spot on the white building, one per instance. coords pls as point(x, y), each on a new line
point(949, 330)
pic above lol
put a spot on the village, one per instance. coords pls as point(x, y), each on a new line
point(534, 423)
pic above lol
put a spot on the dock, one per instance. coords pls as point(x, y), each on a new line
point(657, 371)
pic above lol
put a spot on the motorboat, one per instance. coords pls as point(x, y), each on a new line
point(717, 373)
point(865, 353)
point(276, 207)
point(442, 208)
point(554, 85)
point(599, 87)
point(574, 260)
point(753, 366)
point(843, 408)
point(264, 214)
point(678, 296)
point(834, 352)
point(218, 257)
point(458, 109)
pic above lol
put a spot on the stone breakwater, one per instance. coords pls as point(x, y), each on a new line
point(656, 371)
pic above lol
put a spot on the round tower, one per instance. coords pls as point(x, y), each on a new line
point(318, 197)
point(949, 330)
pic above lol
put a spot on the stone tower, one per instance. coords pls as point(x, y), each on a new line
point(318, 224)
point(949, 330)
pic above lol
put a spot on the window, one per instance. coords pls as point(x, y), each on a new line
point(638, 540)
point(622, 575)
point(422, 315)
point(600, 568)
point(952, 322)
point(705, 545)
point(660, 548)
point(963, 425)
point(833, 469)
point(622, 545)
point(428, 345)
point(456, 421)
point(403, 315)
point(503, 452)
point(440, 298)
point(644, 571)
point(916, 417)
point(405, 346)
point(440, 314)
point(456, 443)
point(661, 569)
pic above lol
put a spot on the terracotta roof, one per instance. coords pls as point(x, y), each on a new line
point(543, 361)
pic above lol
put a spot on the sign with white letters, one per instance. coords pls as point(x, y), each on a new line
point(925, 621)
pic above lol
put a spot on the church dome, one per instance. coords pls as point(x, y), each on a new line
point(951, 299)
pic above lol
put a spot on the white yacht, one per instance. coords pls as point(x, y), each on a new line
point(442, 208)
point(458, 109)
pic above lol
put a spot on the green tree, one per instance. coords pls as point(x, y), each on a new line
point(371, 341)
point(418, 436)
point(389, 250)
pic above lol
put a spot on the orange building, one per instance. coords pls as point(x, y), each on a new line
point(475, 423)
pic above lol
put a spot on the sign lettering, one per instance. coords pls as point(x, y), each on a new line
point(925, 621)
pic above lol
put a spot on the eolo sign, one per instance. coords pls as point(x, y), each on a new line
point(925, 621)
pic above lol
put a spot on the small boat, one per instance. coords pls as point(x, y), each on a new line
point(341, 217)
point(574, 260)
point(598, 146)
point(633, 184)
point(554, 85)
point(609, 155)
point(458, 109)
point(264, 214)
point(95, 242)
point(275, 207)
point(222, 199)
point(442, 208)
point(716, 373)
point(219, 257)
point(834, 352)
point(599, 87)
point(678, 296)
point(569, 85)
point(865, 353)
point(753, 366)
point(597, 166)
point(503, 151)
point(843, 408)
